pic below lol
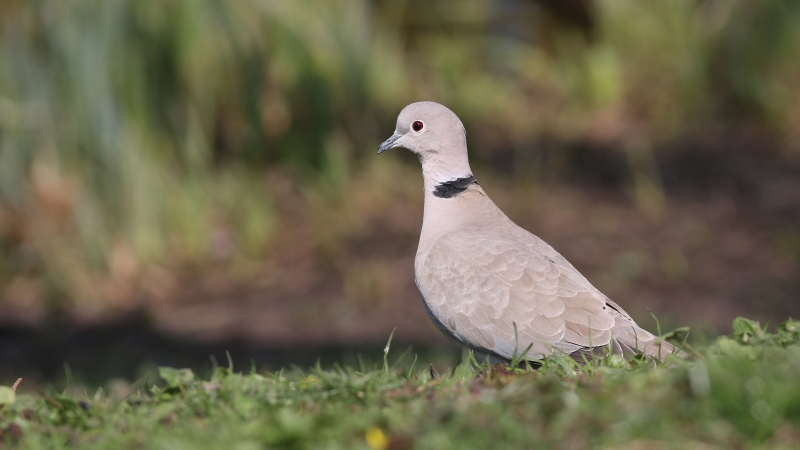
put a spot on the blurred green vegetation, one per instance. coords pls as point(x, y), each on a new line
point(143, 132)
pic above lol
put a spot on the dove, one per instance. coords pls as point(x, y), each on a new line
point(490, 285)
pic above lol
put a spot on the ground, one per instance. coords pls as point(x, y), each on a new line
point(738, 392)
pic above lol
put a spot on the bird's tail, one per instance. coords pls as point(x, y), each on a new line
point(633, 340)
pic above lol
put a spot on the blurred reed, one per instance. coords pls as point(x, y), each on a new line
point(139, 132)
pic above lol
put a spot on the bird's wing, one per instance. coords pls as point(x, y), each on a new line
point(629, 337)
point(482, 285)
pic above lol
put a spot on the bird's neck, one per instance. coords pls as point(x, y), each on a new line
point(452, 205)
point(453, 198)
point(437, 173)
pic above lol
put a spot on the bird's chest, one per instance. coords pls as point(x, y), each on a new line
point(440, 309)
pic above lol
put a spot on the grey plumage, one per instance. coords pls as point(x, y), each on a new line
point(489, 284)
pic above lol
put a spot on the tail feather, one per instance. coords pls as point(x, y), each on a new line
point(639, 341)
point(635, 340)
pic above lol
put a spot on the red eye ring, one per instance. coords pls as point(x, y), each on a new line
point(417, 125)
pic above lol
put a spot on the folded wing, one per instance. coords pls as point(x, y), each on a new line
point(501, 294)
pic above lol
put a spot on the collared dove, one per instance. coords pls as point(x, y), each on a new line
point(489, 284)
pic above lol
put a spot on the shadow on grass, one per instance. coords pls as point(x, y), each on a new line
point(132, 349)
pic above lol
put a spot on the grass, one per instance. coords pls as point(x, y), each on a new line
point(740, 391)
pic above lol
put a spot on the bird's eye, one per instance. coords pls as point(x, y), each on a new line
point(417, 125)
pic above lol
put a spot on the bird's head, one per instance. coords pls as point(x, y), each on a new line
point(436, 135)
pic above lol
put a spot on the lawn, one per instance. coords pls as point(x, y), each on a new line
point(740, 391)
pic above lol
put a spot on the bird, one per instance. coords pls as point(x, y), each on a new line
point(489, 284)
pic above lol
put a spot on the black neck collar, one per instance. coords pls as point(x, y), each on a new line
point(449, 189)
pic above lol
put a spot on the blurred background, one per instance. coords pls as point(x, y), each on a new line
point(182, 178)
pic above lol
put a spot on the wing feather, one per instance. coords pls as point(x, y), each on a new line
point(481, 286)
point(493, 283)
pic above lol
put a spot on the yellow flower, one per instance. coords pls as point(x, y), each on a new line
point(306, 382)
point(376, 439)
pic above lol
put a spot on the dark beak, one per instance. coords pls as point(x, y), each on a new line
point(387, 144)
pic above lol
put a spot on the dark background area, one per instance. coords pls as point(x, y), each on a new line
point(178, 179)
